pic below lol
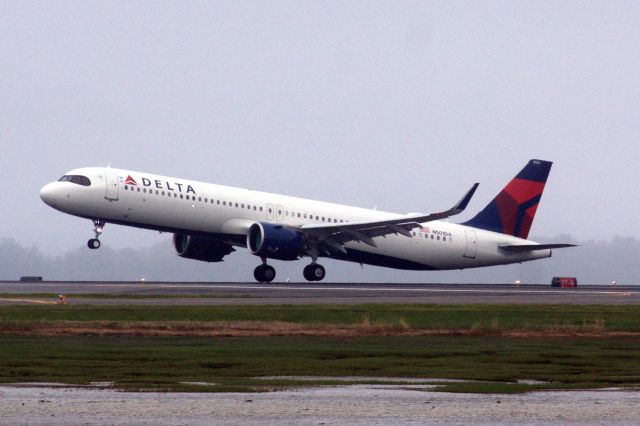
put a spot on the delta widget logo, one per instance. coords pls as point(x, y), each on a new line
point(130, 181)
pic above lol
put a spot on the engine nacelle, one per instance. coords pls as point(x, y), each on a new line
point(274, 241)
point(202, 248)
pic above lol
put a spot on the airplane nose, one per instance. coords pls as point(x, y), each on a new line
point(47, 194)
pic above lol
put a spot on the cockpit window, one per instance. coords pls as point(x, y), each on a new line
point(77, 179)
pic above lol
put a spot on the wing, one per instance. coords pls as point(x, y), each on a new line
point(334, 236)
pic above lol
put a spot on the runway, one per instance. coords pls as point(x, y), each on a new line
point(240, 293)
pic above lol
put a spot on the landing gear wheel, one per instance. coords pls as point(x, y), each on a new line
point(264, 273)
point(98, 226)
point(314, 272)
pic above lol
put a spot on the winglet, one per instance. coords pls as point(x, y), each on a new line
point(462, 204)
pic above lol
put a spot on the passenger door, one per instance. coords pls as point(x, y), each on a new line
point(112, 186)
point(472, 244)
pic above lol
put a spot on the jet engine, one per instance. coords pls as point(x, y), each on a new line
point(274, 241)
point(198, 247)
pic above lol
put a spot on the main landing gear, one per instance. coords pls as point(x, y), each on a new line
point(264, 273)
point(98, 227)
point(314, 272)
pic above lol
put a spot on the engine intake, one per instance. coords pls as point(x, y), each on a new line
point(198, 247)
point(274, 241)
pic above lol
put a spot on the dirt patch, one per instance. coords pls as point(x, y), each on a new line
point(275, 328)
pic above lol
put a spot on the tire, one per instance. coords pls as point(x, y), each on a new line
point(318, 272)
point(308, 273)
point(258, 273)
point(264, 273)
point(269, 273)
point(93, 244)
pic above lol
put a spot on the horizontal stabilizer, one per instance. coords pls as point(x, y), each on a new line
point(534, 247)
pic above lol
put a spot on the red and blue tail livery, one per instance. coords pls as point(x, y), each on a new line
point(513, 209)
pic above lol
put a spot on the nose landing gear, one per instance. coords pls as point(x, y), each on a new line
point(98, 227)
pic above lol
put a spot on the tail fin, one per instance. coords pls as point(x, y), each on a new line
point(513, 209)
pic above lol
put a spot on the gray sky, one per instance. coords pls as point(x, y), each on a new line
point(400, 105)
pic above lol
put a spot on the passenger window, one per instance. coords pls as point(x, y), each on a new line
point(126, 188)
point(181, 196)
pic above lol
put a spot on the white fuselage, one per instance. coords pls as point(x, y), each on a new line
point(182, 206)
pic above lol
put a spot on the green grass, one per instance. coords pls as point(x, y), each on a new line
point(624, 318)
point(489, 364)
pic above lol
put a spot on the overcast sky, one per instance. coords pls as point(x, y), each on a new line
point(399, 105)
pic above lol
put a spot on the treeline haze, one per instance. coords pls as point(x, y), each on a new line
point(594, 262)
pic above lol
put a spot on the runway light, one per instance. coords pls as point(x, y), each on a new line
point(142, 280)
point(517, 282)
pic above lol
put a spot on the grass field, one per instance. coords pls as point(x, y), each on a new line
point(500, 317)
point(486, 360)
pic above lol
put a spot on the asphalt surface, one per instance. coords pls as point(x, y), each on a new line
point(210, 293)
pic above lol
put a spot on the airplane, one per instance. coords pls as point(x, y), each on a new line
point(209, 221)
